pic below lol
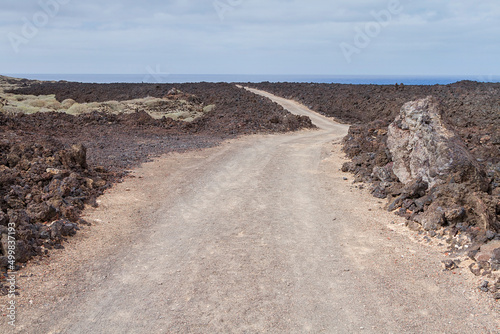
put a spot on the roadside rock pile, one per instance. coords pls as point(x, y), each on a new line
point(426, 171)
point(43, 188)
point(448, 186)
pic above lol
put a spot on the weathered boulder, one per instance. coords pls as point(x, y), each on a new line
point(74, 157)
point(432, 218)
point(423, 146)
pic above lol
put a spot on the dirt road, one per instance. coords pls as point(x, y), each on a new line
point(260, 235)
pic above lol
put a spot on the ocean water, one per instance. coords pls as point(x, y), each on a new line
point(183, 78)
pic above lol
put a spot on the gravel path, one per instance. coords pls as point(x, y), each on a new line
point(262, 234)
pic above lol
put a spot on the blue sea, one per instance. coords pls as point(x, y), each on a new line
point(183, 78)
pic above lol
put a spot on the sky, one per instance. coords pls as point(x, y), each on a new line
point(334, 37)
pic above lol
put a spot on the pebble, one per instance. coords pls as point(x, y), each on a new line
point(484, 286)
point(449, 264)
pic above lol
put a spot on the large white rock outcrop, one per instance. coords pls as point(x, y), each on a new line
point(422, 146)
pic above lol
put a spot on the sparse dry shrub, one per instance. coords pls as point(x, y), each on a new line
point(10, 110)
point(19, 109)
point(55, 105)
point(66, 104)
point(111, 106)
point(37, 103)
point(77, 109)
